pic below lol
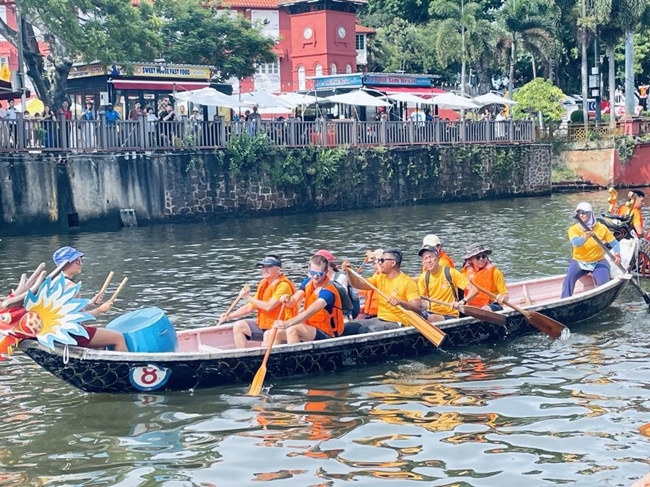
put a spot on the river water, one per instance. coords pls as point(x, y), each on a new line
point(527, 410)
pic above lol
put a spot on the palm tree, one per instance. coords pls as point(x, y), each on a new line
point(458, 21)
point(531, 23)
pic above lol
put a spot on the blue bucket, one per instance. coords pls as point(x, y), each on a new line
point(146, 330)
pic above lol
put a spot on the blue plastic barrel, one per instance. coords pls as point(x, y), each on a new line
point(146, 330)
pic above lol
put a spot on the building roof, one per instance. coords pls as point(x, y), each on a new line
point(362, 29)
point(249, 4)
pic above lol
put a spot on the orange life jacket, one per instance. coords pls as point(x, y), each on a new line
point(265, 291)
point(329, 323)
point(485, 279)
point(444, 259)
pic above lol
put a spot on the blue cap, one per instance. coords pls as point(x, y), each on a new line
point(65, 254)
point(269, 261)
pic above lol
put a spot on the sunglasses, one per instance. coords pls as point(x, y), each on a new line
point(581, 212)
point(382, 260)
point(481, 256)
point(315, 273)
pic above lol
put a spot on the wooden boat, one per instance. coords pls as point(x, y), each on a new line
point(206, 357)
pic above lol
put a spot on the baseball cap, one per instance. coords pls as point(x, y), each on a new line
point(269, 261)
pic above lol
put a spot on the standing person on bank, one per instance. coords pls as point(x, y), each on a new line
point(395, 284)
point(588, 256)
point(97, 337)
point(273, 286)
point(478, 268)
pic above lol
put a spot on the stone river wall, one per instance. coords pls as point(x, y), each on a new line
point(42, 194)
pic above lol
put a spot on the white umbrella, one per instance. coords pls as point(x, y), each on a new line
point(493, 99)
point(298, 99)
point(209, 97)
point(264, 99)
point(408, 98)
point(358, 98)
point(455, 102)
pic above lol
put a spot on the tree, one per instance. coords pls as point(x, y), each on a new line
point(80, 30)
point(539, 96)
point(452, 33)
point(531, 22)
point(196, 34)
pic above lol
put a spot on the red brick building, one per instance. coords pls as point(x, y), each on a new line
point(312, 38)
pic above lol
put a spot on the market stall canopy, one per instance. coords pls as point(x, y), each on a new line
point(264, 99)
point(408, 98)
point(493, 99)
point(209, 97)
point(455, 102)
point(358, 98)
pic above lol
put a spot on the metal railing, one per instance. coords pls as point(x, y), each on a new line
point(127, 135)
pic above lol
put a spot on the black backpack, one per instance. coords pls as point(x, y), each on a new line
point(346, 302)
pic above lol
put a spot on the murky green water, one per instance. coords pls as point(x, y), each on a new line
point(524, 411)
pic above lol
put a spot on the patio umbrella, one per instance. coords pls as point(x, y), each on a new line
point(493, 99)
point(408, 98)
point(208, 97)
point(358, 98)
point(298, 99)
point(455, 102)
point(264, 99)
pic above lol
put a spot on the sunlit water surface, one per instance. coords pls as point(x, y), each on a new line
point(523, 412)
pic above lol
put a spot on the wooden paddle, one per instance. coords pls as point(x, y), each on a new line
point(106, 283)
point(542, 322)
point(646, 298)
point(258, 380)
point(245, 288)
point(365, 261)
point(119, 288)
point(431, 332)
point(474, 312)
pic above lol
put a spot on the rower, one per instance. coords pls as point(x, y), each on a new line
point(478, 268)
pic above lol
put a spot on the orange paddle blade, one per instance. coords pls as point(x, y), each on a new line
point(258, 381)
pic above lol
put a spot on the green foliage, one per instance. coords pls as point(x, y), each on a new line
point(539, 95)
point(245, 153)
point(625, 148)
point(195, 35)
point(577, 117)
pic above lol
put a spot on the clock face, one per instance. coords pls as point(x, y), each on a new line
point(341, 32)
point(308, 33)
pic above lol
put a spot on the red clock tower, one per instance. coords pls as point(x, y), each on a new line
point(323, 38)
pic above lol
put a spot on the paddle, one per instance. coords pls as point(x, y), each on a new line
point(245, 288)
point(474, 312)
point(431, 332)
point(106, 283)
point(258, 380)
point(542, 322)
point(646, 298)
point(119, 288)
point(365, 261)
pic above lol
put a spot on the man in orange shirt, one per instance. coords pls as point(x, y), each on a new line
point(266, 302)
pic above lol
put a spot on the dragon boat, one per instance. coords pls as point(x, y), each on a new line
point(164, 359)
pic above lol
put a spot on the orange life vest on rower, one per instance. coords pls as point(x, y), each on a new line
point(485, 279)
point(265, 291)
point(444, 260)
point(330, 323)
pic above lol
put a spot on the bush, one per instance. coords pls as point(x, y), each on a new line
point(577, 116)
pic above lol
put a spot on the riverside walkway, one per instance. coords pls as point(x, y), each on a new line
point(28, 135)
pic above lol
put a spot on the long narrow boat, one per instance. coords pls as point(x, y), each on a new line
point(206, 357)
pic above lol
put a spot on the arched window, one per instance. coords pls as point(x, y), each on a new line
point(318, 69)
point(348, 69)
point(302, 80)
point(333, 69)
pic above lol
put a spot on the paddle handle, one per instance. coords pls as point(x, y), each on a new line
point(119, 288)
point(244, 288)
point(106, 283)
point(493, 296)
point(645, 295)
point(437, 301)
point(365, 261)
